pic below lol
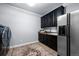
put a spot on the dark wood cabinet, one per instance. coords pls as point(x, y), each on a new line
point(50, 19)
point(48, 40)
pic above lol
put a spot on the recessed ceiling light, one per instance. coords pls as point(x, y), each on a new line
point(31, 4)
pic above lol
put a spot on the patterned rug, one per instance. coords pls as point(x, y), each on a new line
point(32, 52)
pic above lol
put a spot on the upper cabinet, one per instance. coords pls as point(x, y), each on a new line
point(50, 19)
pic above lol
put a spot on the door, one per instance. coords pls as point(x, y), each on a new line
point(62, 46)
point(74, 31)
point(62, 38)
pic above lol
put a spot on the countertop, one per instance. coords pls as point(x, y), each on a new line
point(49, 33)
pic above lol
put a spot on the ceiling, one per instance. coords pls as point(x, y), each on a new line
point(39, 8)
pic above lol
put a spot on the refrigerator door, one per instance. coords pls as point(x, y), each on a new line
point(61, 39)
point(62, 20)
point(74, 33)
point(62, 46)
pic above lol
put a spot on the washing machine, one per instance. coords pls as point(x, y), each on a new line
point(5, 36)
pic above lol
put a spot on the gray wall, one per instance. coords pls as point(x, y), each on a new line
point(23, 24)
point(71, 7)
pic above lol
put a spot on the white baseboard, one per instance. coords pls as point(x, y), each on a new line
point(22, 44)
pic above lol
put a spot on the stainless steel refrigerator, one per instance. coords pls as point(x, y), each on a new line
point(68, 34)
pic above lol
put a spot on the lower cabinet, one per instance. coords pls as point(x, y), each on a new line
point(48, 40)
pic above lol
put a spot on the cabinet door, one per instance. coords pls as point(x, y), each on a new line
point(60, 11)
point(51, 19)
point(42, 22)
point(52, 42)
point(45, 39)
point(46, 21)
point(55, 18)
point(40, 37)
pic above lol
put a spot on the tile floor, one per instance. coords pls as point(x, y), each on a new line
point(35, 49)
